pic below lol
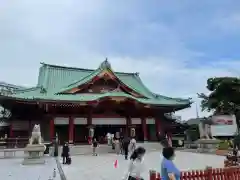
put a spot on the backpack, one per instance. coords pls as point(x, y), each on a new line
point(69, 160)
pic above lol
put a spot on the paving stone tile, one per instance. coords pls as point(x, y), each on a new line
point(12, 169)
point(102, 167)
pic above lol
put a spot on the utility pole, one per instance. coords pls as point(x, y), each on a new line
point(197, 114)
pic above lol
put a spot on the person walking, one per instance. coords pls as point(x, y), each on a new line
point(136, 166)
point(94, 146)
point(168, 169)
point(121, 145)
point(109, 139)
point(117, 146)
point(55, 144)
point(65, 152)
point(133, 144)
point(126, 142)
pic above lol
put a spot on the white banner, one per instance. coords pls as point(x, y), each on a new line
point(150, 121)
point(136, 121)
point(110, 121)
point(224, 120)
point(80, 121)
point(224, 125)
point(61, 121)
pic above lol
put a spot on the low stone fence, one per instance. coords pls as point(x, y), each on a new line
point(13, 142)
point(102, 149)
point(83, 150)
point(209, 173)
point(12, 153)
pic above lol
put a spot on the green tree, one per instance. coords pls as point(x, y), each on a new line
point(4, 114)
point(224, 97)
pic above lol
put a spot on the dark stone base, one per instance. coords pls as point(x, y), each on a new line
point(35, 154)
point(28, 161)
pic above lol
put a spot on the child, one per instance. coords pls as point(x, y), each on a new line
point(94, 146)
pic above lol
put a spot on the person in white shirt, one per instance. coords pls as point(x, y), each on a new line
point(132, 145)
point(136, 166)
point(109, 136)
point(117, 146)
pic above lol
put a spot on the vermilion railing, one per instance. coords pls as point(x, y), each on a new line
point(231, 173)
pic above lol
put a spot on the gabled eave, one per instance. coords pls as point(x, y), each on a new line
point(99, 73)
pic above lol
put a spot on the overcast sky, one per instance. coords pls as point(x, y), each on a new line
point(174, 45)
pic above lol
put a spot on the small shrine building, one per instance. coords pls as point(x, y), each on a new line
point(69, 101)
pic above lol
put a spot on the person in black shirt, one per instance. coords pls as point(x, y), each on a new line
point(94, 146)
point(126, 142)
point(65, 152)
point(121, 145)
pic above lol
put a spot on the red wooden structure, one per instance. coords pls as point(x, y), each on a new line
point(230, 173)
point(70, 102)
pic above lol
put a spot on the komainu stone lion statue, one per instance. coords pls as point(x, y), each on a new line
point(36, 137)
point(205, 128)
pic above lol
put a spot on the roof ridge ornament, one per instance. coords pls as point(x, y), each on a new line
point(105, 64)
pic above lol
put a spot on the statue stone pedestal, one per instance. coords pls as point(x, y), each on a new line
point(35, 154)
point(207, 145)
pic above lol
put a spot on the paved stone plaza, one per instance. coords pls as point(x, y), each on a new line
point(101, 167)
point(87, 167)
point(11, 169)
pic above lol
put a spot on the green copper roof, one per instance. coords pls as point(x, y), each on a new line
point(92, 97)
point(54, 79)
point(57, 78)
point(137, 87)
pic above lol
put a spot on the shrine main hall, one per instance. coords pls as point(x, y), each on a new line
point(70, 101)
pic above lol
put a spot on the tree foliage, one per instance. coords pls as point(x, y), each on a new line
point(4, 114)
point(224, 95)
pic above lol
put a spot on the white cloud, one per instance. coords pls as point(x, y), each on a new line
point(83, 33)
point(229, 24)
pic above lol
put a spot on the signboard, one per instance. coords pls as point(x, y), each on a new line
point(224, 125)
point(223, 120)
point(18, 125)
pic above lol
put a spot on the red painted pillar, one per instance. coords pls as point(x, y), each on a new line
point(29, 127)
point(158, 129)
point(89, 119)
point(128, 124)
point(10, 130)
point(52, 135)
point(144, 127)
point(169, 138)
point(71, 130)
